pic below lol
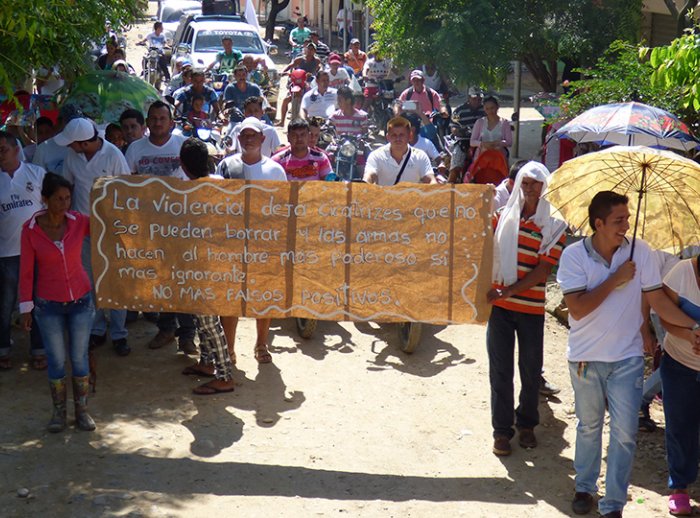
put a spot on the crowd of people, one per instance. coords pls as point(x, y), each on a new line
point(45, 267)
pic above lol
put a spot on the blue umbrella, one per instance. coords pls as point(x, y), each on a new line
point(629, 124)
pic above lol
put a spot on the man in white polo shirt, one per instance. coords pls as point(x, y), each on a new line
point(603, 290)
point(90, 157)
point(320, 101)
point(20, 198)
point(397, 161)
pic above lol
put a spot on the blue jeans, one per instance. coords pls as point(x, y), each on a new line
point(117, 317)
point(9, 283)
point(621, 383)
point(502, 328)
point(57, 318)
point(681, 387)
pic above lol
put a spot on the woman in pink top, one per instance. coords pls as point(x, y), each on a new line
point(492, 131)
point(55, 285)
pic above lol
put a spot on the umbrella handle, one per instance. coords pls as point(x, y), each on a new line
point(642, 190)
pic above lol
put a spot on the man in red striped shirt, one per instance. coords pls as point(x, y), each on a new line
point(348, 120)
point(528, 243)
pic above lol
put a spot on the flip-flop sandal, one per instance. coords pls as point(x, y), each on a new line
point(5, 364)
point(194, 371)
point(679, 504)
point(262, 354)
point(209, 390)
point(38, 363)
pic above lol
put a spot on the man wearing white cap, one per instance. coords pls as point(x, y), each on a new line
point(528, 242)
point(428, 99)
point(250, 164)
point(90, 157)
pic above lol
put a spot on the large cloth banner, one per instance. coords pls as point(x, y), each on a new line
point(321, 250)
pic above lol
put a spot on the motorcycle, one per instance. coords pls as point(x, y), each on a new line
point(150, 65)
point(460, 135)
point(348, 157)
point(381, 109)
point(206, 131)
point(298, 85)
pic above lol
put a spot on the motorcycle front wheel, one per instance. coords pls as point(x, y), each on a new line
point(306, 327)
point(409, 335)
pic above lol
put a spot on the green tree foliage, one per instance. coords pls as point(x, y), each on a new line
point(475, 39)
point(623, 74)
point(36, 33)
point(677, 66)
point(456, 35)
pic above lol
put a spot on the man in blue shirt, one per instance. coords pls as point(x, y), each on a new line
point(241, 89)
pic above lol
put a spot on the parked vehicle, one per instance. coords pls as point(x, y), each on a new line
point(198, 39)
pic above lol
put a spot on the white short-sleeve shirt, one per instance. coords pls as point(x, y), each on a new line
point(20, 198)
point(266, 169)
point(144, 157)
point(317, 104)
point(108, 161)
point(427, 146)
point(611, 332)
point(387, 169)
point(50, 156)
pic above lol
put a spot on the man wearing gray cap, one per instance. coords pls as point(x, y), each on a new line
point(90, 157)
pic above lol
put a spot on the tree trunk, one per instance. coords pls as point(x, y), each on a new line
point(544, 73)
point(276, 6)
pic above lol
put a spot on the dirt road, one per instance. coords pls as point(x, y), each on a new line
point(342, 423)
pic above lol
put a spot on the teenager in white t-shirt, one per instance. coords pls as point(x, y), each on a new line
point(603, 290)
point(158, 154)
point(250, 163)
point(20, 198)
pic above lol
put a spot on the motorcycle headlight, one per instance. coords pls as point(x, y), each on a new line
point(388, 94)
point(153, 54)
point(348, 149)
point(218, 85)
point(203, 133)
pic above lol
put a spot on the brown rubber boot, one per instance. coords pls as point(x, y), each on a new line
point(58, 394)
point(81, 387)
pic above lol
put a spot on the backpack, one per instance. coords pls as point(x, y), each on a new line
point(430, 92)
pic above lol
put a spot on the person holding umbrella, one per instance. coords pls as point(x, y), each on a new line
point(603, 289)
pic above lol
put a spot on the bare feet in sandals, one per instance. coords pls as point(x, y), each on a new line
point(262, 354)
point(206, 371)
point(214, 387)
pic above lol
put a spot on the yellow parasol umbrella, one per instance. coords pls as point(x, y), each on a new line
point(663, 187)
